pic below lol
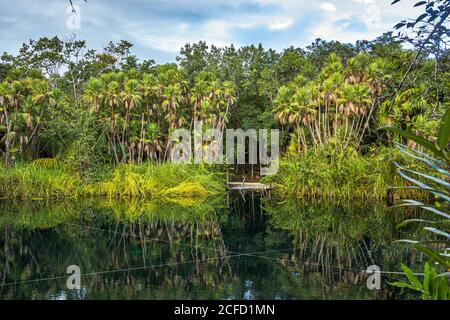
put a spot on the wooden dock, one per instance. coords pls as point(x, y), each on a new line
point(252, 186)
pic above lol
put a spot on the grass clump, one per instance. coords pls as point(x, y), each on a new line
point(35, 181)
point(31, 181)
point(346, 174)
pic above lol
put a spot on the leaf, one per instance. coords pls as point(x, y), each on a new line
point(420, 153)
point(431, 254)
point(426, 278)
point(412, 279)
point(438, 232)
point(394, 2)
point(402, 224)
point(426, 159)
point(421, 17)
point(444, 131)
point(424, 186)
point(420, 140)
point(434, 179)
point(445, 274)
point(443, 289)
point(399, 25)
point(408, 241)
point(400, 284)
point(420, 3)
point(414, 203)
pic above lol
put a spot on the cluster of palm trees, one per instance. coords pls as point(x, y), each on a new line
point(335, 108)
point(135, 112)
point(26, 107)
point(138, 112)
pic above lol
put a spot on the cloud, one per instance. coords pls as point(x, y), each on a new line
point(176, 35)
point(160, 28)
point(328, 7)
point(282, 24)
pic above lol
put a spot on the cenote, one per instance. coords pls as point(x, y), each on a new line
point(243, 246)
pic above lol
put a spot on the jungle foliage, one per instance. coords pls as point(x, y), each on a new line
point(63, 102)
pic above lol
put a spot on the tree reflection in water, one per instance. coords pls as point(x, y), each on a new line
point(191, 249)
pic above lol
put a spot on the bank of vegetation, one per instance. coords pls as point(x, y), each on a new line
point(105, 117)
point(40, 181)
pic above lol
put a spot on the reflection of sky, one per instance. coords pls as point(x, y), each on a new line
point(159, 28)
point(249, 290)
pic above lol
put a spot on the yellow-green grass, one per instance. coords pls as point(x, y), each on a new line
point(36, 181)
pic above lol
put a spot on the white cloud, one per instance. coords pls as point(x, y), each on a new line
point(282, 24)
point(168, 26)
point(328, 7)
point(176, 36)
point(364, 1)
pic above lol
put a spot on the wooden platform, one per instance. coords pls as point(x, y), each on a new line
point(248, 186)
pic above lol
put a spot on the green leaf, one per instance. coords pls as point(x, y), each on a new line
point(434, 179)
point(419, 140)
point(418, 155)
point(414, 203)
point(400, 284)
point(426, 278)
point(444, 291)
point(424, 186)
point(402, 224)
point(432, 254)
point(444, 131)
point(408, 241)
point(438, 232)
point(412, 279)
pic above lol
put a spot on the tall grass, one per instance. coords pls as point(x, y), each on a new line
point(339, 175)
point(34, 181)
point(31, 181)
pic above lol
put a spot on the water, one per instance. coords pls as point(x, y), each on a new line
point(243, 247)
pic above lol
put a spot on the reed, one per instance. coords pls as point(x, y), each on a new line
point(36, 181)
point(345, 175)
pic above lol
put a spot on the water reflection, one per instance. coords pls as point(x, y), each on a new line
point(243, 247)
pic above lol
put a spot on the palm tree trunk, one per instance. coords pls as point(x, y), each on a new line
point(366, 125)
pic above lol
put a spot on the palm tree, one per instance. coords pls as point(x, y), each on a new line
point(197, 97)
point(131, 97)
point(299, 111)
point(40, 91)
point(282, 103)
point(360, 100)
point(93, 93)
point(229, 97)
point(6, 96)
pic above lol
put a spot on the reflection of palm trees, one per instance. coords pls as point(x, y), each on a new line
point(337, 240)
point(178, 253)
point(190, 252)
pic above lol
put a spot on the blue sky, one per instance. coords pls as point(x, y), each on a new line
point(159, 28)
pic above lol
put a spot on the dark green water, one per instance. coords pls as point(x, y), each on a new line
point(243, 247)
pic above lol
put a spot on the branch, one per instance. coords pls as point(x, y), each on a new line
point(73, 8)
point(421, 47)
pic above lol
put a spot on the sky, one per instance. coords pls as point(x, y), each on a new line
point(160, 28)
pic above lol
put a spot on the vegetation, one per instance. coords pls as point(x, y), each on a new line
point(191, 250)
point(433, 179)
point(109, 108)
point(344, 175)
point(430, 35)
point(34, 181)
